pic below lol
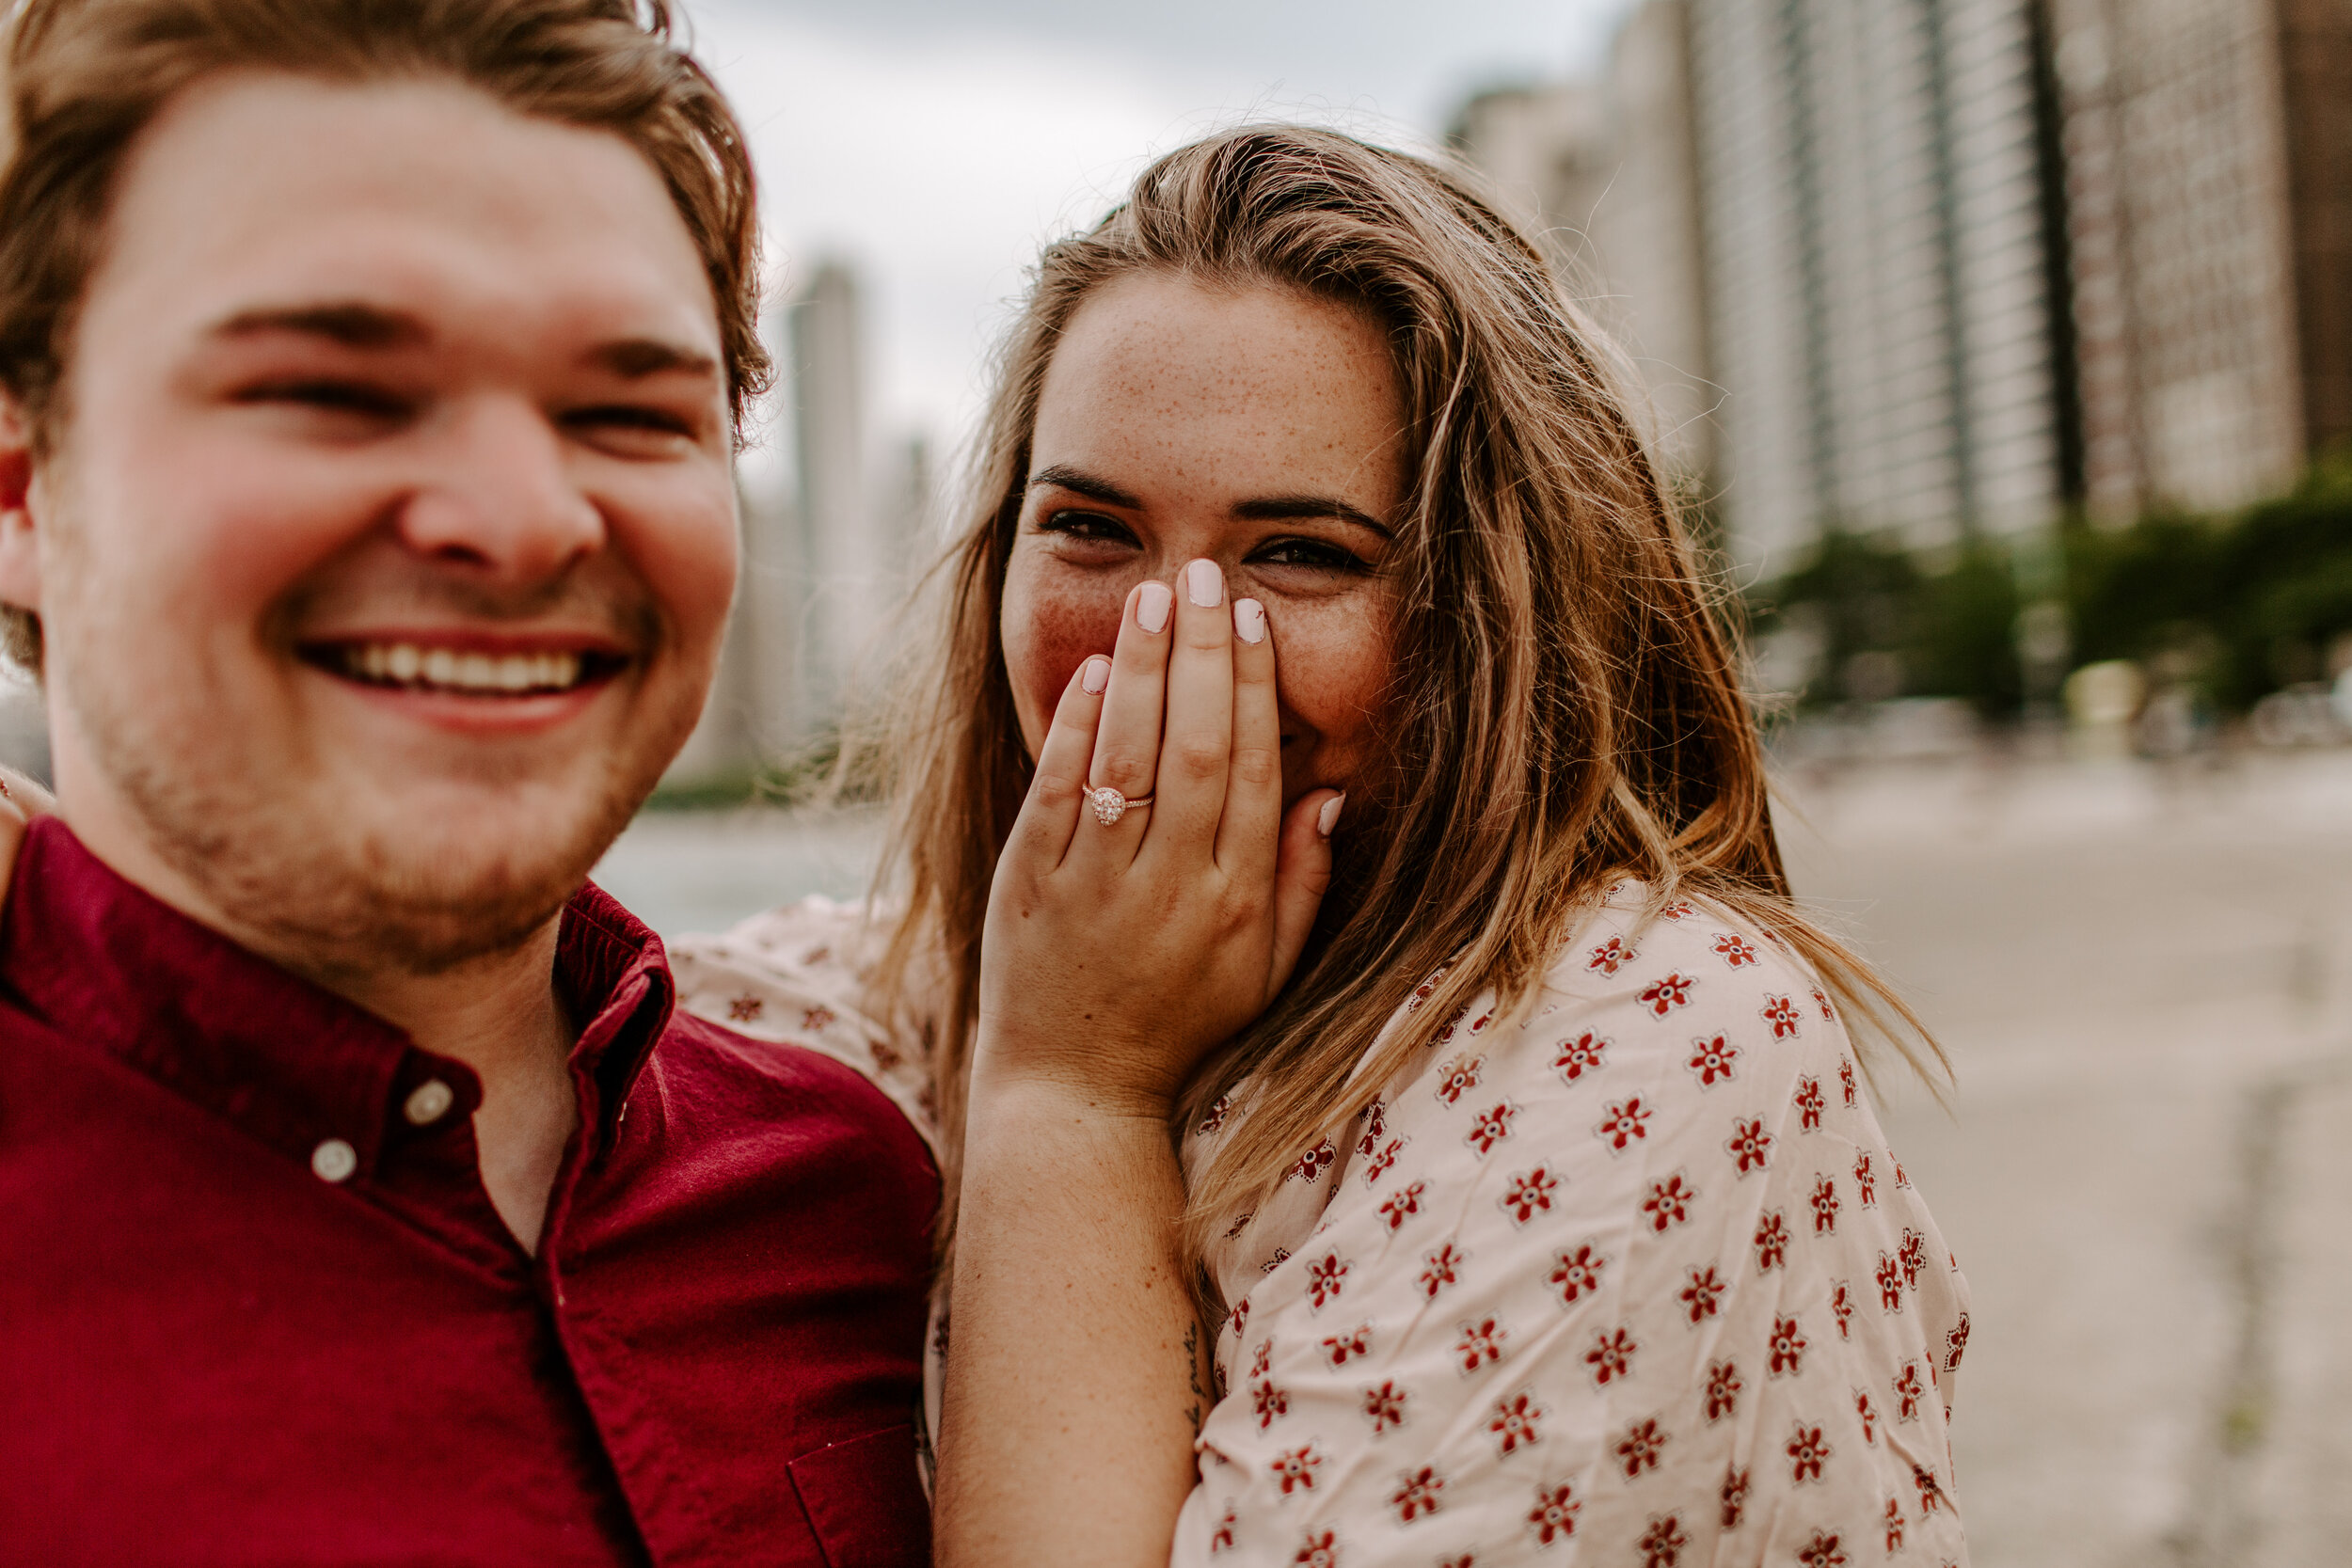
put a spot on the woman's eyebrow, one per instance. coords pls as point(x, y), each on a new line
point(1267, 509)
point(1085, 484)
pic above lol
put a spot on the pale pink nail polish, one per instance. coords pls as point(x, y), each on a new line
point(1205, 584)
point(1097, 676)
point(1329, 817)
point(1249, 621)
point(1152, 604)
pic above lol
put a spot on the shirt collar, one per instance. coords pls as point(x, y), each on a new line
point(102, 961)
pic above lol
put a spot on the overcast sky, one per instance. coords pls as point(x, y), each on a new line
point(933, 144)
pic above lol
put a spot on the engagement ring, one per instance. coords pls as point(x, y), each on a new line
point(1111, 805)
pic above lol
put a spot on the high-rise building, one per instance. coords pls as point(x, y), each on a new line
point(2208, 191)
point(1605, 173)
point(1879, 272)
point(844, 556)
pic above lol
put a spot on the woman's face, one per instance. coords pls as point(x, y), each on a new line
point(1261, 429)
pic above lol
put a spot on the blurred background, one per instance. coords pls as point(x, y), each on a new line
point(2003, 351)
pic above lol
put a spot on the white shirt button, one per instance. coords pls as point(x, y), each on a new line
point(334, 1160)
point(428, 1102)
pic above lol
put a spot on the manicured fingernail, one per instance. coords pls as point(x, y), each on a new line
point(1096, 677)
point(1205, 584)
point(1152, 604)
point(1250, 620)
point(1329, 817)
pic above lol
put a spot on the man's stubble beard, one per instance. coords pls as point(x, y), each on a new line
point(330, 899)
point(320, 895)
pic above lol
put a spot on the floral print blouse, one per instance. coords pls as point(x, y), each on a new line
point(1633, 1279)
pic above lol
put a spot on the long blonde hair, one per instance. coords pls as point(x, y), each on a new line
point(1565, 706)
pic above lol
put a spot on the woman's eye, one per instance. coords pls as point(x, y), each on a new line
point(1086, 525)
point(1317, 554)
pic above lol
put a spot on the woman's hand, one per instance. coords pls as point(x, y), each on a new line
point(1116, 956)
point(21, 800)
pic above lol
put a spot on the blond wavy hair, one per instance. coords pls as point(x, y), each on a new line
point(1565, 704)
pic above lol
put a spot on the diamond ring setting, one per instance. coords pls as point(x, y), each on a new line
point(1111, 805)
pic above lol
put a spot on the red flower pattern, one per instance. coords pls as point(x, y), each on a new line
point(1319, 1551)
point(1516, 1421)
point(1324, 1278)
point(1735, 1495)
point(746, 1009)
point(1480, 1344)
point(1910, 1387)
point(1439, 1269)
point(1487, 1226)
point(1272, 1404)
point(1530, 1194)
point(1458, 1077)
point(816, 1018)
point(1610, 957)
point(1418, 1494)
point(1807, 1450)
point(1894, 1527)
point(1711, 1058)
point(1661, 1544)
point(1702, 1294)
point(1788, 1346)
point(1822, 1551)
point(1825, 1206)
point(1662, 996)
point(1295, 1468)
point(1723, 1390)
point(1311, 1164)
point(1491, 1127)
point(1639, 1449)
point(1579, 1055)
point(1575, 1273)
point(1403, 1204)
point(1669, 1202)
point(1612, 1354)
point(1890, 1283)
point(1750, 1145)
point(1554, 1513)
point(1622, 1124)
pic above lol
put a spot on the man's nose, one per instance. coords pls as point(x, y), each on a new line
point(501, 497)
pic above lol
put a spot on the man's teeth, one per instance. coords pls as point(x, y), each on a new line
point(406, 664)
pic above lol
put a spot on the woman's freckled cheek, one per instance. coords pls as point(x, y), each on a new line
point(1050, 624)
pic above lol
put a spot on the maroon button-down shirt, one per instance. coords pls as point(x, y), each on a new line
point(251, 1311)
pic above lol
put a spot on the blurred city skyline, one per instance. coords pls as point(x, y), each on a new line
point(933, 145)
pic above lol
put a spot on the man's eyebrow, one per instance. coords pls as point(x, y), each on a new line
point(1085, 484)
point(350, 323)
point(634, 357)
point(1268, 509)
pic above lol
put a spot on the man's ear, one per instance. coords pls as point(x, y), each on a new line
point(20, 542)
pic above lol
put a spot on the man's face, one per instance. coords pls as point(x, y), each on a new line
point(385, 550)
